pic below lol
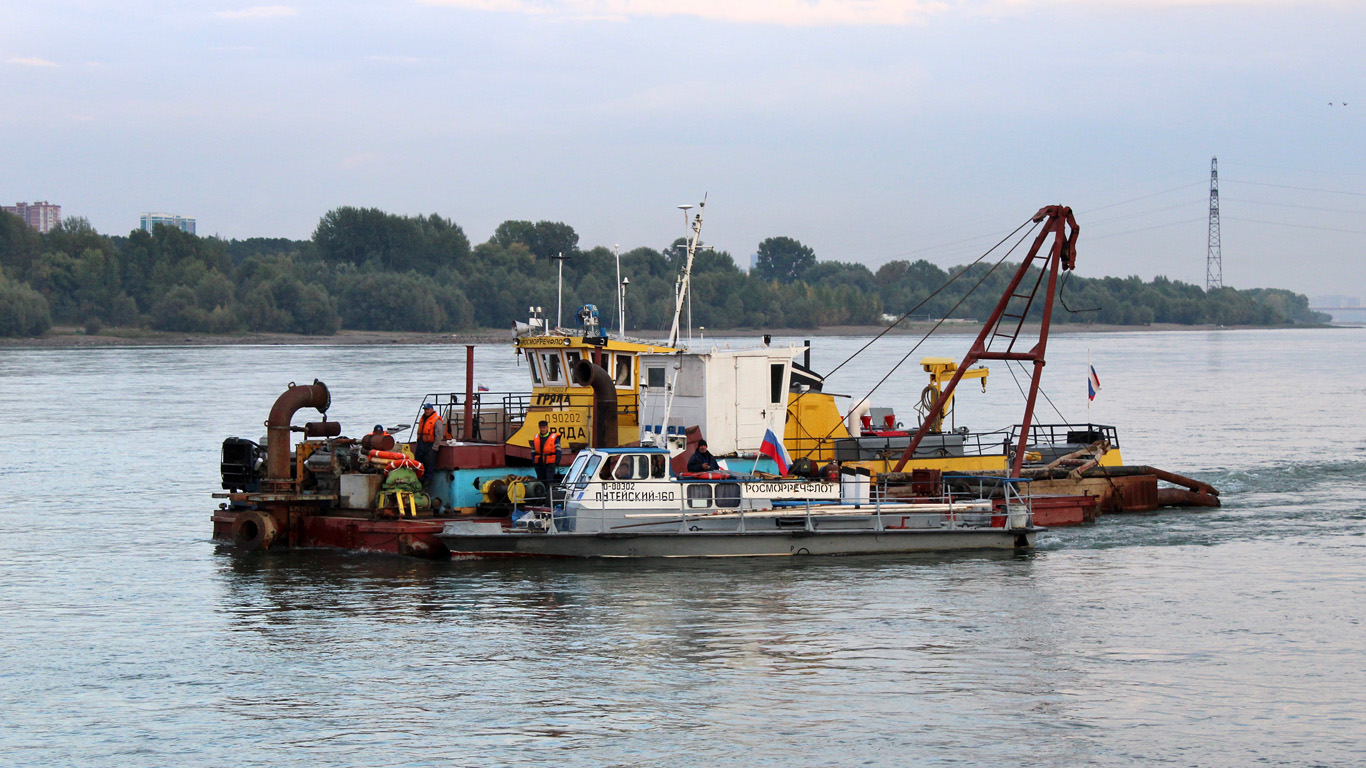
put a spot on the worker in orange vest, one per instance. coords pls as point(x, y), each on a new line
point(545, 453)
point(430, 431)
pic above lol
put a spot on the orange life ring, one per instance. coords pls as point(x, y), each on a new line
point(706, 475)
point(395, 455)
point(406, 463)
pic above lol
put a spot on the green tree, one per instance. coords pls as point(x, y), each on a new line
point(390, 302)
point(178, 310)
point(23, 311)
point(784, 259)
point(19, 246)
point(544, 238)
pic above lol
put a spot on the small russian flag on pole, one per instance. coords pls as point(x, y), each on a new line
point(483, 388)
point(1092, 383)
point(773, 448)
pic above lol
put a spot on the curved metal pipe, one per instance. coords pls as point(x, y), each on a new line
point(604, 401)
point(298, 396)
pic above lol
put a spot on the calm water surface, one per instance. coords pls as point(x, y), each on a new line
point(1224, 637)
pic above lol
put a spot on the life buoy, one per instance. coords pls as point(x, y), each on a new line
point(706, 475)
point(405, 463)
point(395, 455)
point(253, 529)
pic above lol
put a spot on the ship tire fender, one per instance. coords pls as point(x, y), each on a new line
point(253, 529)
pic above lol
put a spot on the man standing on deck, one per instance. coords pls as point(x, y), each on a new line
point(430, 431)
point(545, 454)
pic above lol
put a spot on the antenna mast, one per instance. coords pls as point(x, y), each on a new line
point(1214, 257)
point(685, 281)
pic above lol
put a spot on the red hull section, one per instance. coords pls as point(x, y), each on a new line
point(1053, 511)
point(414, 538)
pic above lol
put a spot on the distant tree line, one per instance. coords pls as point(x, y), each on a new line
point(371, 270)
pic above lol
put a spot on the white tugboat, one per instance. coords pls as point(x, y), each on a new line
point(625, 502)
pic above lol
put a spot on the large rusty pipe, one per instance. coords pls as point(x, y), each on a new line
point(298, 396)
point(604, 401)
point(1175, 479)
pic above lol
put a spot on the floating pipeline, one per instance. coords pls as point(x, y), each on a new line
point(1124, 488)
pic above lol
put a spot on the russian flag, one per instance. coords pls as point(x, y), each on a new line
point(773, 448)
point(483, 388)
point(1092, 383)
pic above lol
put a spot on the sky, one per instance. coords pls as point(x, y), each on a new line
point(871, 130)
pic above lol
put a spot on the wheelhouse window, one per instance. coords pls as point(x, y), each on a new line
point(654, 377)
point(658, 466)
point(572, 357)
point(554, 368)
point(699, 495)
point(630, 466)
point(640, 467)
point(775, 380)
point(622, 373)
point(609, 468)
point(535, 369)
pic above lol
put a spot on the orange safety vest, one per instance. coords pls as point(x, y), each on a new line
point(427, 432)
point(543, 447)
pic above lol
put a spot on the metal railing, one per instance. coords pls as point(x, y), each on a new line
point(891, 447)
point(496, 414)
point(966, 502)
point(1059, 434)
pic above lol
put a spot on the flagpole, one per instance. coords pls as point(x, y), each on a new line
point(1088, 387)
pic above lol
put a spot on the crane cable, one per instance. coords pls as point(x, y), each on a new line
point(936, 292)
point(935, 327)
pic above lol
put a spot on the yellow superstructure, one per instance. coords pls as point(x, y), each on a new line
point(813, 423)
point(568, 406)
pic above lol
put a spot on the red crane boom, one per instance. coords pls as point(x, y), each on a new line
point(1058, 223)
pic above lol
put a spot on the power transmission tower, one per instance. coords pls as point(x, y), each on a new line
point(1214, 257)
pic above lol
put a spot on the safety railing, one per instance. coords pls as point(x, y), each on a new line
point(1067, 434)
point(497, 415)
point(965, 502)
point(884, 447)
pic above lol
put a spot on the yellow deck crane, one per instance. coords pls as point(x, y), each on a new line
point(941, 370)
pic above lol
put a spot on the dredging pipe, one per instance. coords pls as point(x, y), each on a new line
point(298, 396)
point(604, 401)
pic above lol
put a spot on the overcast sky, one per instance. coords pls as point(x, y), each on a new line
point(868, 129)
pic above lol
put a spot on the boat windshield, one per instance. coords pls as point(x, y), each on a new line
point(572, 474)
point(581, 471)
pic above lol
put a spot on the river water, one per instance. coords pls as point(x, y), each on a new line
point(1225, 637)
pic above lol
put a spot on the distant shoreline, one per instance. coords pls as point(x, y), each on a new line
point(69, 337)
